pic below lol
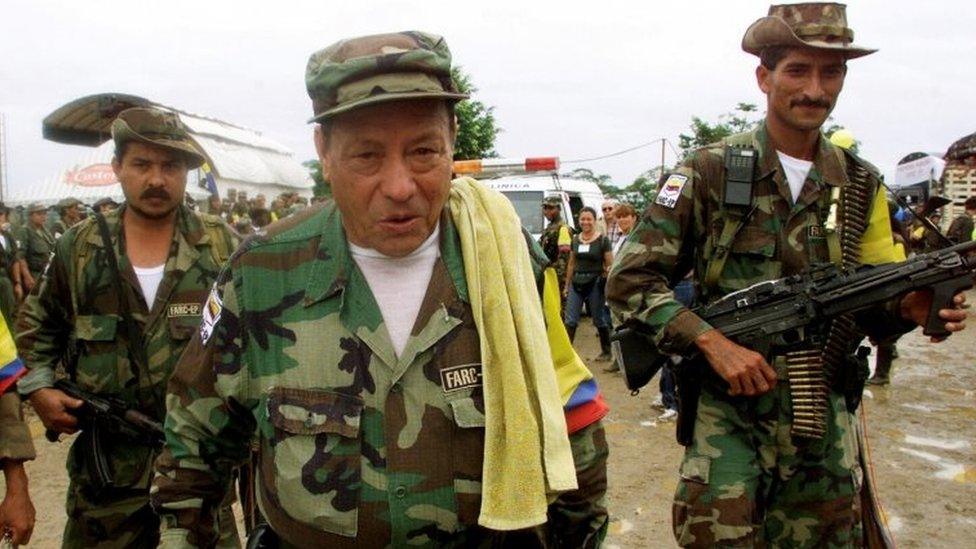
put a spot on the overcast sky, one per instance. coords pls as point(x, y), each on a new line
point(576, 82)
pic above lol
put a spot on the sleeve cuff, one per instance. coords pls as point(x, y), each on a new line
point(36, 378)
point(681, 331)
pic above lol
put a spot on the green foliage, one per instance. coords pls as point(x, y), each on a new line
point(638, 194)
point(322, 187)
point(742, 119)
point(476, 123)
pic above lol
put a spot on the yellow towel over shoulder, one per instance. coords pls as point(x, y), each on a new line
point(527, 452)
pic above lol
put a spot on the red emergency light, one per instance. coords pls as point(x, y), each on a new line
point(487, 166)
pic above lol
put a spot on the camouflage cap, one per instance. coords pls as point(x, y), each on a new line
point(156, 127)
point(817, 25)
point(34, 207)
point(366, 70)
point(66, 203)
point(552, 201)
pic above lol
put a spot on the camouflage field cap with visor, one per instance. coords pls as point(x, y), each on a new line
point(817, 25)
point(156, 127)
point(367, 70)
point(552, 201)
point(35, 207)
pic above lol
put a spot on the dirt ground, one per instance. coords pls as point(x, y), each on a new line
point(921, 431)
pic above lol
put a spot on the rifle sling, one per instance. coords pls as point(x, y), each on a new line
point(133, 333)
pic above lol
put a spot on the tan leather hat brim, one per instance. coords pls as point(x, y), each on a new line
point(774, 31)
point(122, 132)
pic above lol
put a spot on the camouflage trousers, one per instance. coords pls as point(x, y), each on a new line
point(579, 519)
point(100, 517)
point(745, 482)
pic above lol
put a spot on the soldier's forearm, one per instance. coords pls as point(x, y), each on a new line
point(37, 377)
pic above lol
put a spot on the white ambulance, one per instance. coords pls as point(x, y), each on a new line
point(526, 182)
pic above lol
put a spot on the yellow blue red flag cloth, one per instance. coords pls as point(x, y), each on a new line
point(11, 367)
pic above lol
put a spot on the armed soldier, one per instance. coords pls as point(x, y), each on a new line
point(36, 244)
point(760, 468)
point(128, 288)
point(556, 238)
point(343, 339)
point(69, 210)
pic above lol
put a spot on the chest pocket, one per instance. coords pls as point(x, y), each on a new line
point(310, 467)
point(184, 313)
point(751, 259)
point(101, 365)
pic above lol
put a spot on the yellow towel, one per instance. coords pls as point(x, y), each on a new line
point(527, 452)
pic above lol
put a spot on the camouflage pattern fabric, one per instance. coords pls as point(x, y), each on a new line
point(549, 240)
point(77, 301)
point(358, 447)
point(15, 438)
point(679, 232)
point(35, 245)
point(384, 67)
point(745, 483)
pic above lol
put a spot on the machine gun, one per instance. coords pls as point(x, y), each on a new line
point(107, 416)
point(782, 311)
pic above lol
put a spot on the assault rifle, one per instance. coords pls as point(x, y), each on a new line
point(782, 311)
point(107, 416)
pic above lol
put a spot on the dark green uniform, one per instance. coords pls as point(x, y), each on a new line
point(8, 257)
point(36, 245)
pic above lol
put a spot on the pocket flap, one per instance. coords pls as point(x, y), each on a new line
point(314, 411)
point(466, 413)
point(96, 327)
point(754, 241)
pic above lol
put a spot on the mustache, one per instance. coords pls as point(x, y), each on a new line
point(155, 192)
point(810, 102)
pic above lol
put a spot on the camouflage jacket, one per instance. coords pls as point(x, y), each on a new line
point(76, 306)
point(35, 246)
point(679, 232)
point(8, 253)
point(358, 447)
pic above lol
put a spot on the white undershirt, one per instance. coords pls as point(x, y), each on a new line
point(796, 170)
point(149, 279)
point(399, 284)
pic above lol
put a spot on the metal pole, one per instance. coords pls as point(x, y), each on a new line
point(663, 142)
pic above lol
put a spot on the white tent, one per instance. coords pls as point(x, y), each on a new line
point(239, 158)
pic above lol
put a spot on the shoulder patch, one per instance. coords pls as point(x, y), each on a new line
point(211, 315)
point(671, 190)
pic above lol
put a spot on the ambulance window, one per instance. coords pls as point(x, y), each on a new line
point(528, 206)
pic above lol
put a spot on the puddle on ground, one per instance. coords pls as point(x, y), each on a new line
point(948, 469)
point(936, 443)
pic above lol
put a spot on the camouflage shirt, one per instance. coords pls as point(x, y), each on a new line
point(555, 240)
point(358, 447)
point(680, 230)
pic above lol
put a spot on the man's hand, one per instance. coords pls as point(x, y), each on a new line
point(16, 511)
point(746, 371)
point(18, 292)
point(915, 307)
point(28, 282)
point(53, 407)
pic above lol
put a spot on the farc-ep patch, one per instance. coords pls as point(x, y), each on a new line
point(671, 190)
point(211, 315)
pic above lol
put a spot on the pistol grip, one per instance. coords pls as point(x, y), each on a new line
point(942, 295)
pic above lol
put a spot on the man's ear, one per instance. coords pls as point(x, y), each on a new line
point(321, 148)
point(762, 78)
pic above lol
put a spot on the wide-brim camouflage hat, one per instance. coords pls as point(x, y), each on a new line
point(65, 203)
point(35, 207)
point(817, 25)
point(156, 127)
point(368, 70)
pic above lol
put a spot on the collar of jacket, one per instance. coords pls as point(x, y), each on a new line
point(333, 262)
point(827, 167)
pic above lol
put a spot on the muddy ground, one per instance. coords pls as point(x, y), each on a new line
point(921, 430)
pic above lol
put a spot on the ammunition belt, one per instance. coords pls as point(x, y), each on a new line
point(811, 391)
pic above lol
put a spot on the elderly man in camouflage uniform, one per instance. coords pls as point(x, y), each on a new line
point(366, 398)
point(556, 238)
point(754, 475)
point(167, 258)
